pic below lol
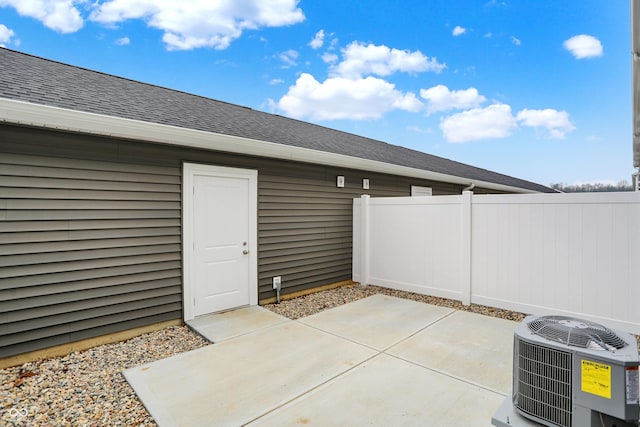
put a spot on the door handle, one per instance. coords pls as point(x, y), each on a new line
point(245, 252)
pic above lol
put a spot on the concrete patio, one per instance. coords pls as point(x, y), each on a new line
point(377, 361)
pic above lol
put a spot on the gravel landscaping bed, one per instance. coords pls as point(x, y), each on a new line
point(87, 388)
point(314, 303)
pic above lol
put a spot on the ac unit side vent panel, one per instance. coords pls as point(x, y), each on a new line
point(543, 387)
point(576, 333)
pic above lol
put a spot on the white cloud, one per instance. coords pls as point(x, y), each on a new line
point(59, 15)
point(360, 59)
point(555, 122)
point(318, 40)
point(123, 41)
point(516, 40)
point(458, 31)
point(418, 129)
point(442, 99)
point(329, 58)
point(270, 105)
point(345, 98)
point(276, 81)
point(5, 35)
point(289, 58)
point(190, 24)
point(583, 46)
point(494, 121)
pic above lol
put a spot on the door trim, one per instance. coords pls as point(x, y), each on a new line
point(189, 171)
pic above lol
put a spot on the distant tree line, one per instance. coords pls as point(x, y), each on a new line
point(592, 187)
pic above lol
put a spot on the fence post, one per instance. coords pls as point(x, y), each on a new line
point(364, 239)
point(465, 248)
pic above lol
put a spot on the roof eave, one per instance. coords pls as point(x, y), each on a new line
point(44, 116)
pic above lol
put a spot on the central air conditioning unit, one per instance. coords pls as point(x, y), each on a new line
point(571, 373)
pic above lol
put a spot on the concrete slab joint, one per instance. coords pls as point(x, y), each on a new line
point(408, 363)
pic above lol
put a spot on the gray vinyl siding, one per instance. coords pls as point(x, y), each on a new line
point(305, 225)
point(90, 231)
point(86, 248)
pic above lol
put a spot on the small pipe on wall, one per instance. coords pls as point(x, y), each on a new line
point(470, 187)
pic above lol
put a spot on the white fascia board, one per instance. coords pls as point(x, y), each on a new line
point(36, 115)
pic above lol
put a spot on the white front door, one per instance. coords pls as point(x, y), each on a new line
point(219, 239)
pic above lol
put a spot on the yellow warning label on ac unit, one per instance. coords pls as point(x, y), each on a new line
point(596, 378)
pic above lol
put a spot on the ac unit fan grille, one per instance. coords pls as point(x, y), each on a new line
point(544, 383)
point(576, 333)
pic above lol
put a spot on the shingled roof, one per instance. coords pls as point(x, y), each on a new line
point(41, 81)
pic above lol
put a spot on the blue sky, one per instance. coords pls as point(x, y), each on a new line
point(538, 89)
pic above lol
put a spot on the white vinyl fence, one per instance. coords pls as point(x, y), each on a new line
point(569, 254)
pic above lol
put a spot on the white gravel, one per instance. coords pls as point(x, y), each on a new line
point(87, 388)
point(314, 303)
